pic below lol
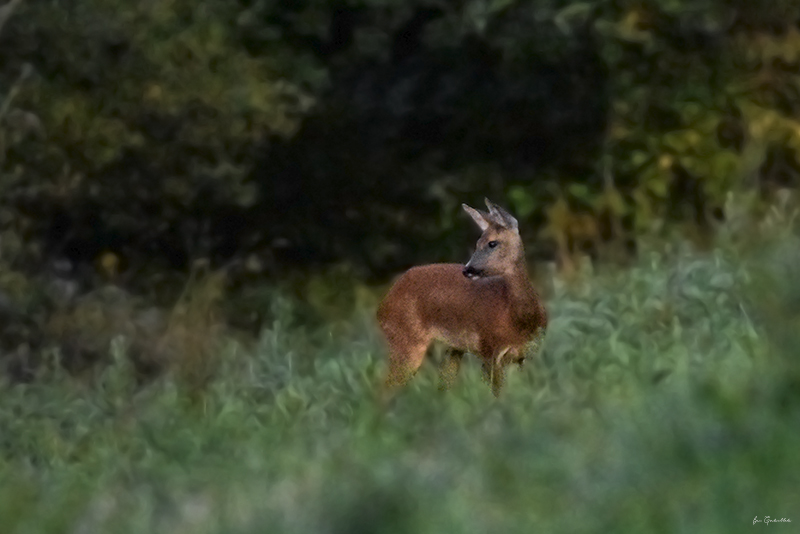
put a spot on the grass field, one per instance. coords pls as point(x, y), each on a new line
point(666, 399)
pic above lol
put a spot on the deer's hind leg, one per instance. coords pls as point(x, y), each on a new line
point(405, 358)
point(404, 361)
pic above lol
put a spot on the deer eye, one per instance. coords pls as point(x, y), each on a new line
point(492, 244)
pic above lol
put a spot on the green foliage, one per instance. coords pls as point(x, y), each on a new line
point(699, 92)
point(661, 403)
point(319, 133)
point(312, 134)
point(638, 112)
point(150, 114)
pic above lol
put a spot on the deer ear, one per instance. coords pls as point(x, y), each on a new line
point(501, 216)
point(480, 218)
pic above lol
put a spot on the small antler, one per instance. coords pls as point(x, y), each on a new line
point(481, 218)
point(501, 216)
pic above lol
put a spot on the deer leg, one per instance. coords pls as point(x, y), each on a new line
point(494, 371)
point(405, 358)
point(486, 368)
point(498, 379)
point(498, 375)
point(449, 368)
point(495, 376)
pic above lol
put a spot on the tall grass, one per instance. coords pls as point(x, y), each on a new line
point(666, 399)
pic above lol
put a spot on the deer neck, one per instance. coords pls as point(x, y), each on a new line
point(524, 299)
point(519, 284)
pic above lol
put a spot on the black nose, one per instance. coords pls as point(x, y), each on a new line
point(469, 272)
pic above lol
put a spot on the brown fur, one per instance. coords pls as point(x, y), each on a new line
point(495, 313)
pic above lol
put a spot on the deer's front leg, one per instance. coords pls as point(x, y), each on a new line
point(494, 370)
point(448, 371)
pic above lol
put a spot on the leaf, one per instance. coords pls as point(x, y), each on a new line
point(580, 191)
point(524, 203)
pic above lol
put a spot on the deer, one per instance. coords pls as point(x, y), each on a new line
point(487, 307)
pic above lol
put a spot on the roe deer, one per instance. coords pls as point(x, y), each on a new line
point(487, 307)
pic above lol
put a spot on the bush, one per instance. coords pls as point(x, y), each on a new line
point(660, 403)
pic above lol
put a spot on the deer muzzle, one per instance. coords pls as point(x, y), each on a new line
point(471, 272)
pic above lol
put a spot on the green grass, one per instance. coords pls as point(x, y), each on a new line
point(667, 399)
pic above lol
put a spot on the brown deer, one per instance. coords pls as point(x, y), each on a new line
point(487, 307)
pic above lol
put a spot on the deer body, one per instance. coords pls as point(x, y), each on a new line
point(487, 307)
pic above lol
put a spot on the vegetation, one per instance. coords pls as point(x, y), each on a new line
point(306, 134)
point(667, 399)
point(199, 200)
point(295, 141)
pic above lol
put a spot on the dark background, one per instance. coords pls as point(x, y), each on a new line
point(278, 138)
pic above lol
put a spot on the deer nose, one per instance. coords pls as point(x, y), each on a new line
point(469, 271)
